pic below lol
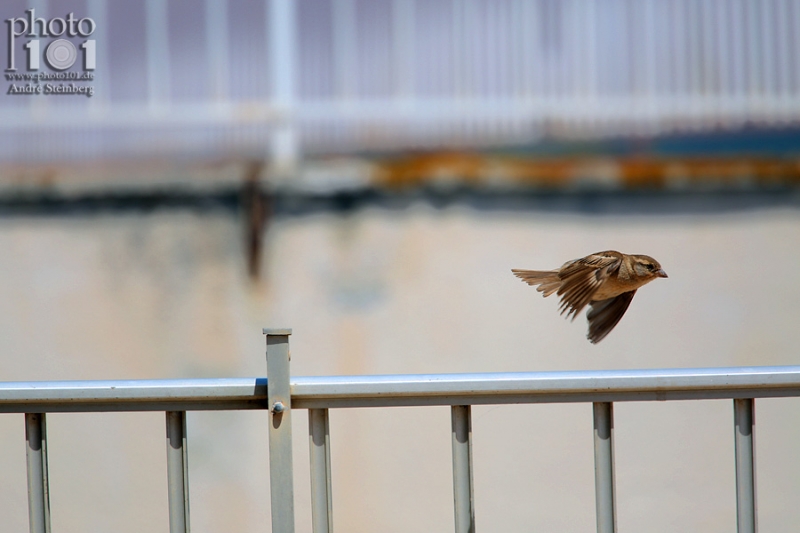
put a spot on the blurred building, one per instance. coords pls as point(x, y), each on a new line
point(282, 80)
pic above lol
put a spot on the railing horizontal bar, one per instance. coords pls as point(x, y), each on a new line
point(55, 406)
point(535, 387)
point(404, 390)
point(145, 389)
point(574, 381)
point(538, 397)
point(134, 395)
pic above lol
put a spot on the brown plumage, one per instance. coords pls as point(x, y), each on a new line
point(606, 281)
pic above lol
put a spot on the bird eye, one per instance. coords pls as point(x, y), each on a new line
point(651, 267)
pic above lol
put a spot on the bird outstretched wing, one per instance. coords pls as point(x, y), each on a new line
point(604, 315)
point(581, 278)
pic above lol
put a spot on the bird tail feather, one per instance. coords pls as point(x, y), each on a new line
point(547, 280)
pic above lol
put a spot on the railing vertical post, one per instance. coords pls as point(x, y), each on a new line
point(605, 496)
point(38, 486)
point(279, 398)
point(177, 472)
point(319, 441)
point(461, 419)
point(744, 429)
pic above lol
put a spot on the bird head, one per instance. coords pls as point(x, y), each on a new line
point(647, 267)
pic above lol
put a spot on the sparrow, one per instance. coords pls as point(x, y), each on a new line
point(606, 281)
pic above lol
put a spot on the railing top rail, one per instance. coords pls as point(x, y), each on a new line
point(404, 389)
point(133, 395)
point(546, 387)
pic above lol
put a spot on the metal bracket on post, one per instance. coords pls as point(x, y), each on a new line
point(279, 397)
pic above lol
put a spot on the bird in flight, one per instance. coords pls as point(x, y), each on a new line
point(606, 281)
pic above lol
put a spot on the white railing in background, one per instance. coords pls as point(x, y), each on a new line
point(281, 394)
point(285, 78)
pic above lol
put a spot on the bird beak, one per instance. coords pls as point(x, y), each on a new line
point(661, 274)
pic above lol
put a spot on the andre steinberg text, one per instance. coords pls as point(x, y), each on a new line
point(57, 52)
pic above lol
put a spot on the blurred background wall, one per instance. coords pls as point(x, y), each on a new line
point(367, 173)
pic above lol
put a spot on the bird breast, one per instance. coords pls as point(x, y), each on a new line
point(616, 285)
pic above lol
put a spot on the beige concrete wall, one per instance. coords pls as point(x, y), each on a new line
point(408, 291)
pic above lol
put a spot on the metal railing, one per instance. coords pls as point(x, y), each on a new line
point(281, 394)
